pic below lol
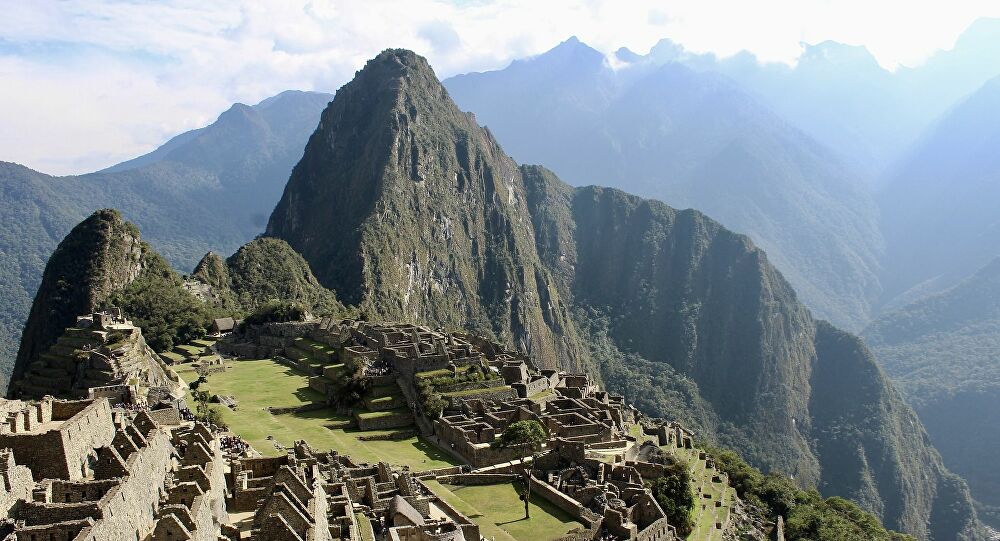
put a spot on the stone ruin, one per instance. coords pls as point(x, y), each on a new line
point(591, 466)
point(81, 470)
point(325, 496)
point(102, 355)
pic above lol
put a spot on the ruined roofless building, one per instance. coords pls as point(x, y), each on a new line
point(80, 470)
point(101, 350)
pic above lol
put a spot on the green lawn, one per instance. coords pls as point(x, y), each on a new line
point(364, 527)
point(189, 350)
point(471, 392)
point(173, 357)
point(381, 401)
point(705, 519)
point(440, 372)
point(257, 384)
point(499, 512)
point(386, 413)
point(541, 394)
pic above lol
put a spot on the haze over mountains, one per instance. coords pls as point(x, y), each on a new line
point(869, 190)
point(206, 189)
point(793, 156)
point(940, 203)
point(409, 210)
point(693, 139)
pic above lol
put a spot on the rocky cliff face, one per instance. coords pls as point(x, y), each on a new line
point(410, 210)
point(101, 255)
point(403, 205)
point(684, 295)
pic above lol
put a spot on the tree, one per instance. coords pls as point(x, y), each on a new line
point(157, 302)
point(673, 492)
point(528, 436)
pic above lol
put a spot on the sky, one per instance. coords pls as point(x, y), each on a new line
point(85, 84)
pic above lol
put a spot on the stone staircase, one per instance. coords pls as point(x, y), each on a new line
point(93, 357)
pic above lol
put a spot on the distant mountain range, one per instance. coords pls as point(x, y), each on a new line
point(693, 139)
point(208, 189)
point(411, 211)
point(941, 205)
point(944, 353)
point(870, 191)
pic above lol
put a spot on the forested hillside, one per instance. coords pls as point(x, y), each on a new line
point(944, 353)
point(210, 189)
point(411, 211)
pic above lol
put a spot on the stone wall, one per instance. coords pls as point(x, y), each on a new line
point(478, 478)
point(76, 491)
point(166, 416)
point(647, 470)
point(385, 422)
point(499, 395)
point(17, 482)
point(64, 451)
point(524, 390)
point(77, 529)
point(130, 512)
point(562, 501)
point(122, 509)
point(660, 530)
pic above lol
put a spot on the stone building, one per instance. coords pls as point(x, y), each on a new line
point(323, 495)
point(81, 470)
point(102, 351)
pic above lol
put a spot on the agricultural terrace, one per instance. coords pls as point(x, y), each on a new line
point(260, 384)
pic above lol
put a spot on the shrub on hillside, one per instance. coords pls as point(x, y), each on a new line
point(673, 493)
point(276, 311)
point(807, 515)
point(158, 303)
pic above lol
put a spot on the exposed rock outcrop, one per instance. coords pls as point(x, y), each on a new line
point(406, 207)
point(101, 255)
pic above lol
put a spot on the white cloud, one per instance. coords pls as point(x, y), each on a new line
point(87, 83)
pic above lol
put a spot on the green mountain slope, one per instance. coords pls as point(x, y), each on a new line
point(943, 353)
point(404, 206)
point(265, 269)
point(409, 210)
point(209, 189)
point(102, 262)
point(693, 139)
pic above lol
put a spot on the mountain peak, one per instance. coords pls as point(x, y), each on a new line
point(624, 54)
point(984, 31)
point(390, 76)
point(835, 54)
point(101, 255)
point(398, 62)
point(396, 177)
point(572, 49)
